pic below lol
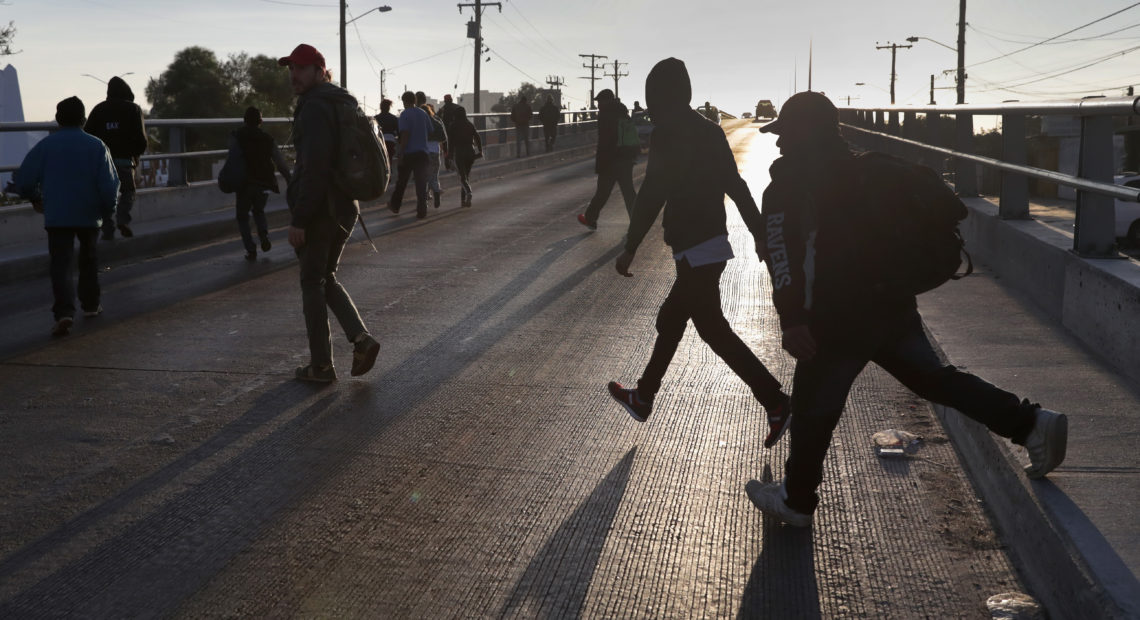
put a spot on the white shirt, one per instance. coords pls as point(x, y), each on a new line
point(715, 250)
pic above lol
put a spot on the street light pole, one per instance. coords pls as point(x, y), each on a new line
point(961, 52)
point(343, 46)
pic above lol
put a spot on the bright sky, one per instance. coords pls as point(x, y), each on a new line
point(737, 51)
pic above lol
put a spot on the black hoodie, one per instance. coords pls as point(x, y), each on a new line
point(311, 192)
point(118, 122)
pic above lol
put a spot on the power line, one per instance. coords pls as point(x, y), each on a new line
point(412, 62)
point(593, 66)
point(557, 49)
point(323, 6)
point(1099, 37)
point(1018, 51)
point(1073, 69)
point(500, 56)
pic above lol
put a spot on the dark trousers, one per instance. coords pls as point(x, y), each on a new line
point(61, 248)
point(463, 163)
point(126, 199)
point(325, 239)
point(820, 387)
point(412, 164)
point(522, 137)
point(696, 295)
point(621, 173)
point(549, 133)
point(252, 199)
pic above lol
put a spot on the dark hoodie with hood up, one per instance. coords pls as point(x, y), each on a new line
point(118, 122)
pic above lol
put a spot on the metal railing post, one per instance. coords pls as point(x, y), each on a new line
point(965, 171)
point(176, 168)
point(934, 138)
point(910, 131)
point(1014, 201)
point(1095, 231)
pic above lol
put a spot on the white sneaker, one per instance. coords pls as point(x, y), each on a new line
point(1046, 443)
point(770, 499)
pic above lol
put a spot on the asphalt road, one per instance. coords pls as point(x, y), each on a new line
point(161, 462)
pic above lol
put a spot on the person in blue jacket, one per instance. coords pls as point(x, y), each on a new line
point(71, 177)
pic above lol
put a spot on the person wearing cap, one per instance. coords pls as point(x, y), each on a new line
point(71, 177)
point(322, 217)
point(261, 155)
point(833, 324)
point(691, 168)
point(118, 122)
point(612, 163)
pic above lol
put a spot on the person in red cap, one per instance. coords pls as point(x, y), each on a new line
point(691, 168)
point(835, 320)
point(322, 217)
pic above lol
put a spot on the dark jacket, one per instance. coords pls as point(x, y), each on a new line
point(259, 150)
point(521, 113)
point(549, 114)
point(818, 276)
point(447, 114)
point(609, 153)
point(312, 192)
point(691, 168)
point(71, 172)
point(118, 122)
point(389, 125)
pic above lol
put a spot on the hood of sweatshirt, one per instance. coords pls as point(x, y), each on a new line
point(117, 88)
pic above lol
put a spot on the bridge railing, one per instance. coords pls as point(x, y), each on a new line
point(897, 129)
point(494, 129)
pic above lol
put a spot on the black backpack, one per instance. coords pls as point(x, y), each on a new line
point(909, 218)
point(361, 167)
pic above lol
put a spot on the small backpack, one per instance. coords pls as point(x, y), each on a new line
point(627, 133)
point(437, 133)
point(232, 176)
point(361, 168)
point(909, 218)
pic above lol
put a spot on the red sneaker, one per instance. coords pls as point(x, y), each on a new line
point(778, 420)
point(629, 399)
point(587, 223)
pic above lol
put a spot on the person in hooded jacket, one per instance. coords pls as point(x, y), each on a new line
point(322, 217)
point(691, 168)
point(612, 163)
point(118, 122)
point(262, 156)
point(465, 147)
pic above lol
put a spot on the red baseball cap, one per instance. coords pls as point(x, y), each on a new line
point(303, 55)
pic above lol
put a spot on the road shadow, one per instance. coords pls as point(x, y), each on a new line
point(557, 580)
point(783, 581)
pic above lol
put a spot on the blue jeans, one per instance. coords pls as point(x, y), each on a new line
point(252, 199)
point(61, 249)
point(821, 385)
point(325, 239)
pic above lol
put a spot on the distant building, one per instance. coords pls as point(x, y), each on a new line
point(14, 145)
point(486, 100)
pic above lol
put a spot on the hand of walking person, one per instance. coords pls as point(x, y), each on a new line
point(623, 263)
point(296, 237)
point(799, 342)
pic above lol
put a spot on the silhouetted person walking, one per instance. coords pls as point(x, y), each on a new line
point(691, 168)
point(118, 122)
point(322, 218)
point(465, 146)
point(520, 115)
point(413, 156)
point(71, 177)
point(550, 117)
point(612, 163)
point(259, 150)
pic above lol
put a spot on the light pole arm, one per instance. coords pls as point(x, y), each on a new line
point(382, 9)
point(915, 39)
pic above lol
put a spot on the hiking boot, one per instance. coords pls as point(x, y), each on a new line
point(638, 409)
point(778, 420)
point(90, 314)
point(251, 255)
point(62, 327)
point(771, 500)
point(126, 231)
point(364, 354)
point(315, 374)
point(588, 224)
point(265, 244)
point(1046, 443)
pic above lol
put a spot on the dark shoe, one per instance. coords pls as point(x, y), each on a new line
point(251, 255)
point(778, 419)
point(314, 374)
point(364, 354)
point(109, 234)
point(126, 231)
point(90, 314)
point(629, 399)
point(394, 208)
point(1046, 443)
point(265, 244)
point(437, 196)
point(588, 224)
point(62, 327)
point(421, 213)
point(770, 499)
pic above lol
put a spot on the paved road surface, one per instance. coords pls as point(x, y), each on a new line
point(160, 461)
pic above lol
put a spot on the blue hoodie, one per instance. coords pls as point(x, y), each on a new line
point(73, 173)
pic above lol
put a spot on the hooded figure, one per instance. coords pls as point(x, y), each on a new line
point(118, 122)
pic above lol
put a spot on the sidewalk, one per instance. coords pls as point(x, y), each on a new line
point(1075, 535)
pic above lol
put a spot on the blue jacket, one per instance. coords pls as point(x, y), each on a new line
point(73, 174)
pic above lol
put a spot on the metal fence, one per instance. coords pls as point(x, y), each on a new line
point(897, 129)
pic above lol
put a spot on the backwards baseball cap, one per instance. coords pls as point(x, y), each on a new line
point(304, 55)
point(604, 94)
point(808, 110)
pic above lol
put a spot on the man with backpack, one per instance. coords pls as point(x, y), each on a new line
point(118, 122)
point(613, 161)
point(841, 305)
point(261, 156)
point(322, 216)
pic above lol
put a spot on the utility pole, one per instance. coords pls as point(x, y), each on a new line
point(961, 52)
point(343, 47)
point(593, 66)
point(383, 76)
point(556, 83)
point(894, 47)
point(617, 74)
point(931, 89)
point(475, 31)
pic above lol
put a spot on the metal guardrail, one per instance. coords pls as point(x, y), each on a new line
point(1094, 230)
point(177, 127)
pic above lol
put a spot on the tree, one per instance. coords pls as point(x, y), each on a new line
point(6, 35)
point(526, 89)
